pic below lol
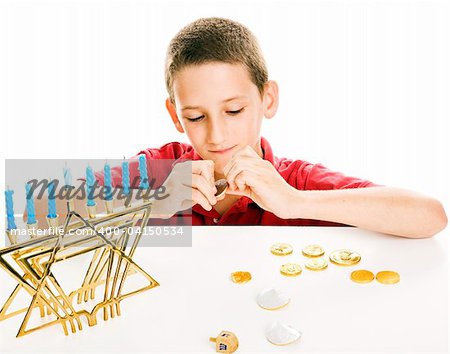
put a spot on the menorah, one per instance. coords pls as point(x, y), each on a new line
point(111, 238)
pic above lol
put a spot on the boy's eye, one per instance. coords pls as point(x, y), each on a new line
point(201, 117)
point(194, 119)
point(235, 112)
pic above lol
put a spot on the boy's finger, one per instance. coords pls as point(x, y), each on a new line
point(212, 175)
point(199, 198)
point(229, 176)
point(203, 186)
point(204, 168)
point(246, 151)
point(233, 161)
point(241, 180)
point(245, 192)
point(235, 170)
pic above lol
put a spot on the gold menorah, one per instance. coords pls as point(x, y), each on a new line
point(111, 238)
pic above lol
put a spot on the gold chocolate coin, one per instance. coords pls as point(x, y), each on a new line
point(241, 277)
point(362, 276)
point(345, 257)
point(318, 263)
point(313, 251)
point(291, 269)
point(388, 277)
point(281, 249)
point(221, 186)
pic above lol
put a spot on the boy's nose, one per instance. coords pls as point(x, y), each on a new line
point(216, 132)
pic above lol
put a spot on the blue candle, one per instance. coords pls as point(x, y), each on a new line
point(31, 218)
point(125, 177)
point(143, 172)
point(10, 209)
point(90, 179)
point(51, 200)
point(67, 176)
point(108, 182)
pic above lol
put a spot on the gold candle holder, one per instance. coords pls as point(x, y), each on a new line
point(127, 202)
point(111, 264)
point(146, 193)
point(70, 203)
point(53, 224)
point(109, 206)
point(32, 229)
point(12, 237)
point(92, 211)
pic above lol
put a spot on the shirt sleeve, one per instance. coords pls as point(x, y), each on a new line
point(319, 177)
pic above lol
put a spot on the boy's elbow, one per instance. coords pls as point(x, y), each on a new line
point(442, 217)
point(438, 219)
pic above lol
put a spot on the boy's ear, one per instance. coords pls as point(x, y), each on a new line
point(270, 98)
point(173, 114)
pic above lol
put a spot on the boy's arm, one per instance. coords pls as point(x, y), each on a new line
point(382, 209)
point(388, 210)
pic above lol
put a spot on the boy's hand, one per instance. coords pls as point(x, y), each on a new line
point(188, 184)
point(249, 175)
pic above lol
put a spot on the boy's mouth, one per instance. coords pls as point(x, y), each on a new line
point(223, 151)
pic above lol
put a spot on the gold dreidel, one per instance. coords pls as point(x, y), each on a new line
point(226, 342)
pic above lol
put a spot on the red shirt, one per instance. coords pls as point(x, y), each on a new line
point(301, 175)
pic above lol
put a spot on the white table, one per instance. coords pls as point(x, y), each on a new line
point(196, 299)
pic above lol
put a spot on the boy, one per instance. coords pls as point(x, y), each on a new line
point(219, 92)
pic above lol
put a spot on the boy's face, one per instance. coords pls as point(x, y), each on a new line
point(220, 109)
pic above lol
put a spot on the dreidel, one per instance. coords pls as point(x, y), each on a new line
point(226, 342)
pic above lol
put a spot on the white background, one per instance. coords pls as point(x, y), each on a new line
point(364, 85)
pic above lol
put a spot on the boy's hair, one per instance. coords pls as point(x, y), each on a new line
point(215, 39)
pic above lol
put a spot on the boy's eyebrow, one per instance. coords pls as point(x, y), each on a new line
point(224, 101)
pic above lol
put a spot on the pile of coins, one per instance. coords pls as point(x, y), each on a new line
point(315, 260)
point(315, 255)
